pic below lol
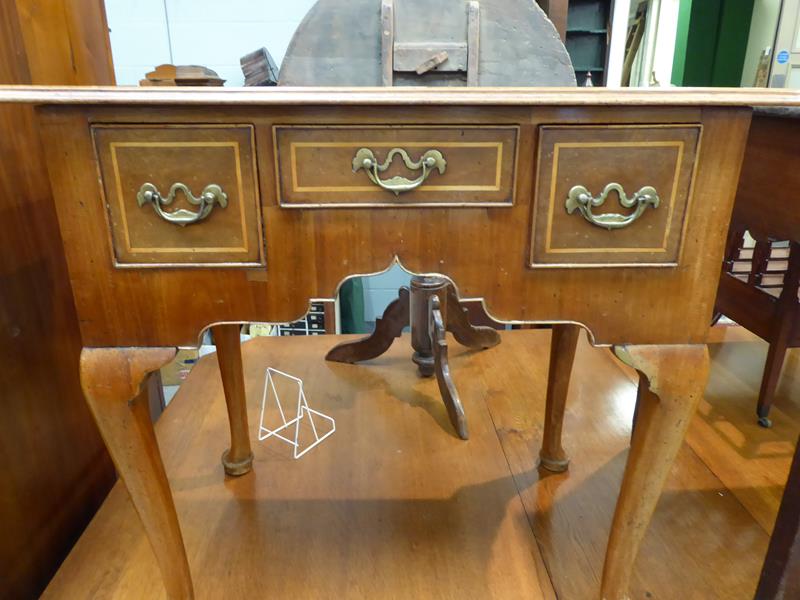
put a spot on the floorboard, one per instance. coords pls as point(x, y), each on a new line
point(753, 462)
point(699, 529)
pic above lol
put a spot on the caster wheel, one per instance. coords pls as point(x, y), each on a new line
point(765, 422)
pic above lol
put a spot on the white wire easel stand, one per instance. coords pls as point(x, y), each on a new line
point(302, 410)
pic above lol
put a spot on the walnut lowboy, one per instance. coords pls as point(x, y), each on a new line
point(493, 210)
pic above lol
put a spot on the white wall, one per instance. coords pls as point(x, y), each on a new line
point(664, 54)
point(657, 52)
point(212, 33)
point(616, 48)
point(762, 34)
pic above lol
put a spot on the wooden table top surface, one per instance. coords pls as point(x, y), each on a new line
point(394, 505)
point(402, 96)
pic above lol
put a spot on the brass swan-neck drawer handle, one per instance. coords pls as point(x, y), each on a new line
point(211, 195)
point(580, 199)
point(365, 159)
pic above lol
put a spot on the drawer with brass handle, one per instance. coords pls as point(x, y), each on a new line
point(612, 196)
point(323, 166)
point(181, 195)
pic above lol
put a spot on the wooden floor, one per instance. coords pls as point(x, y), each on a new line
point(394, 505)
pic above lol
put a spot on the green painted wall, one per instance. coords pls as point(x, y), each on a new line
point(734, 30)
point(681, 40)
point(711, 42)
point(701, 46)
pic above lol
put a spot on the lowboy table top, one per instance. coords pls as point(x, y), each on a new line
point(339, 96)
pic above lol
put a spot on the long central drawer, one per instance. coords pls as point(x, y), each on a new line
point(391, 166)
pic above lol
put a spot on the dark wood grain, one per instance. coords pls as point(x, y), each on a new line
point(480, 165)
point(782, 333)
point(661, 157)
point(310, 252)
point(767, 180)
point(387, 328)
point(780, 577)
point(766, 206)
point(441, 368)
point(432, 308)
point(129, 157)
point(56, 471)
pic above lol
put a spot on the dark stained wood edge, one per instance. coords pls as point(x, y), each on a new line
point(780, 577)
point(735, 296)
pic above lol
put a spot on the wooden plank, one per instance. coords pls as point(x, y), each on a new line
point(432, 63)
point(66, 42)
point(409, 56)
point(751, 461)
point(780, 577)
point(387, 42)
point(765, 198)
point(473, 42)
point(326, 96)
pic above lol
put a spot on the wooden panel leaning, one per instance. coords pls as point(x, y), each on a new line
point(655, 312)
point(49, 440)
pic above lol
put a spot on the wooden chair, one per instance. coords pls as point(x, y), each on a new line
point(759, 290)
point(759, 286)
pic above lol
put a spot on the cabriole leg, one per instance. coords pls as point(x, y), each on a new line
point(113, 381)
point(562, 354)
point(238, 459)
point(674, 378)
